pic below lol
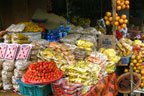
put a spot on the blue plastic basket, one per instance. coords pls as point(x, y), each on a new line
point(125, 60)
point(34, 90)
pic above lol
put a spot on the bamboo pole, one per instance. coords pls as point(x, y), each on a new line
point(114, 16)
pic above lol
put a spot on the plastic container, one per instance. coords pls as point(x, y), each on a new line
point(125, 60)
point(34, 90)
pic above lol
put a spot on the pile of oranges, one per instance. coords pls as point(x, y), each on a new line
point(137, 64)
point(122, 4)
point(120, 21)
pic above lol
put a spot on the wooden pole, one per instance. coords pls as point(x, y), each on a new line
point(114, 16)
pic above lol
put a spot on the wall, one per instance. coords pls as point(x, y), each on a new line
point(14, 11)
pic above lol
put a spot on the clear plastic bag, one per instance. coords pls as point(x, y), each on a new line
point(6, 74)
point(14, 80)
point(7, 86)
point(18, 73)
point(89, 38)
point(7, 37)
point(8, 65)
point(77, 29)
point(22, 64)
point(70, 39)
point(80, 54)
point(16, 87)
point(90, 31)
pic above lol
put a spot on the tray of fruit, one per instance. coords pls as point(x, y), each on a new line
point(42, 73)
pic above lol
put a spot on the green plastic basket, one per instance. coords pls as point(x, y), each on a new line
point(34, 90)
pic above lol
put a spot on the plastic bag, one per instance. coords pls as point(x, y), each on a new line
point(72, 47)
point(8, 65)
point(16, 87)
point(89, 38)
point(22, 64)
point(7, 37)
point(80, 54)
point(77, 29)
point(6, 74)
point(19, 36)
point(70, 39)
point(16, 28)
point(32, 58)
point(18, 73)
point(90, 31)
point(14, 80)
point(7, 86)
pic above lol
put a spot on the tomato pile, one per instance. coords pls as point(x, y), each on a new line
point(42, 73)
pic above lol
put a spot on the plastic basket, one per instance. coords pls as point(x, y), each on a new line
point(34, 90)
point(125, 60)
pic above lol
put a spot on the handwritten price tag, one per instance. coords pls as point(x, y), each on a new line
point(3, 48)
point(11, 51)
point(24, 51)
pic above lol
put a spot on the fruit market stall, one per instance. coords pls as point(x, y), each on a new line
point(72, 60)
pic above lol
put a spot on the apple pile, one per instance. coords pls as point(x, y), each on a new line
point(120, 21)
point(122, 4)
point(42, 72)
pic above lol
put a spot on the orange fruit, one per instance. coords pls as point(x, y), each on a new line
point(134, 61)
point(123, 6)
point(142, 85)
point(118, 2)
point(138, 64)
point(134, 68)
point(117, 18)
point(123, 26)
point(106, 18)
point(107, 23)
point(110, 19)
point(108, 14)
point(142, 77)
point(121, 21)
point(119, 28)
point(127, 2)
point(125, 21)
point(127, 6)
point(122, 3)
point(123, 16)
point(119, 7)
point(142, 72)
point(116, 23)
point(126, 70)
point(137, 71)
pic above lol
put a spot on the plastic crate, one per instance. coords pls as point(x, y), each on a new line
point(34, 90)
